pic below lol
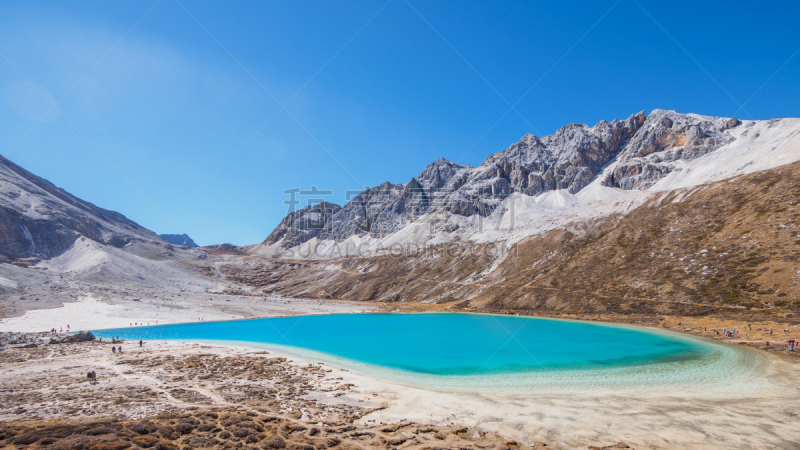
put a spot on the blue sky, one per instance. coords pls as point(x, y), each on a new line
point(194, 116)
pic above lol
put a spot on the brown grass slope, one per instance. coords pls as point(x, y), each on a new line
point(440, 274)
point(728, 247)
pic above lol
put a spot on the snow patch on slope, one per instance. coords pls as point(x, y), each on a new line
point(93, 261)
point(759, 145)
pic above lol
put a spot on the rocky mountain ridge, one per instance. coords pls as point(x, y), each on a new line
point(639, 151)
point(39, 220)
point(301, 225)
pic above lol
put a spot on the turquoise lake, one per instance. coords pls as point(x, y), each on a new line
point(449, 344)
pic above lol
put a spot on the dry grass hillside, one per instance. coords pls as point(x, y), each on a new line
point(730, 247)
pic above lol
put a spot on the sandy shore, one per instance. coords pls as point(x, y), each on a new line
point(93, 313)
point(643, 418)
point(170, 395)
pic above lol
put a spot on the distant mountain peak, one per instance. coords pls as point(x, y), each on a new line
point(179, 239)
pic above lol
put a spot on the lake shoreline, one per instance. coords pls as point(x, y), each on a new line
point(94, 315)
point(574, 421)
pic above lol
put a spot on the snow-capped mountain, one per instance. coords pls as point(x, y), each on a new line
point(541, 182)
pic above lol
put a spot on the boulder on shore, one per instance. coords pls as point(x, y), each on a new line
point(80, 337)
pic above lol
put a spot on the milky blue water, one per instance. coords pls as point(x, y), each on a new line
point(448, 344)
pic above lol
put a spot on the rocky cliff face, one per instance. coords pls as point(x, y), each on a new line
point(389, 207)
point(39, 220)
point(644, 149)
point(568, 159)
point(667, 137)
point(305, 224)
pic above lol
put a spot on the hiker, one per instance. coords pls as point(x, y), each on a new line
point(767, 344)
point(120, 349)
point(92, 377)
point(140, 342)
point(113, 349)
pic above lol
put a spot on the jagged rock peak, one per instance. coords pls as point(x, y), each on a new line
point(442, 174)
point(304, 224)
point(567, 159)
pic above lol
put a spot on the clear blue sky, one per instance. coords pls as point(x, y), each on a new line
point(160, 121)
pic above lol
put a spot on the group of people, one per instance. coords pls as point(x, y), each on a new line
point(60, 330)
point(115, 349)
point(731, 333)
